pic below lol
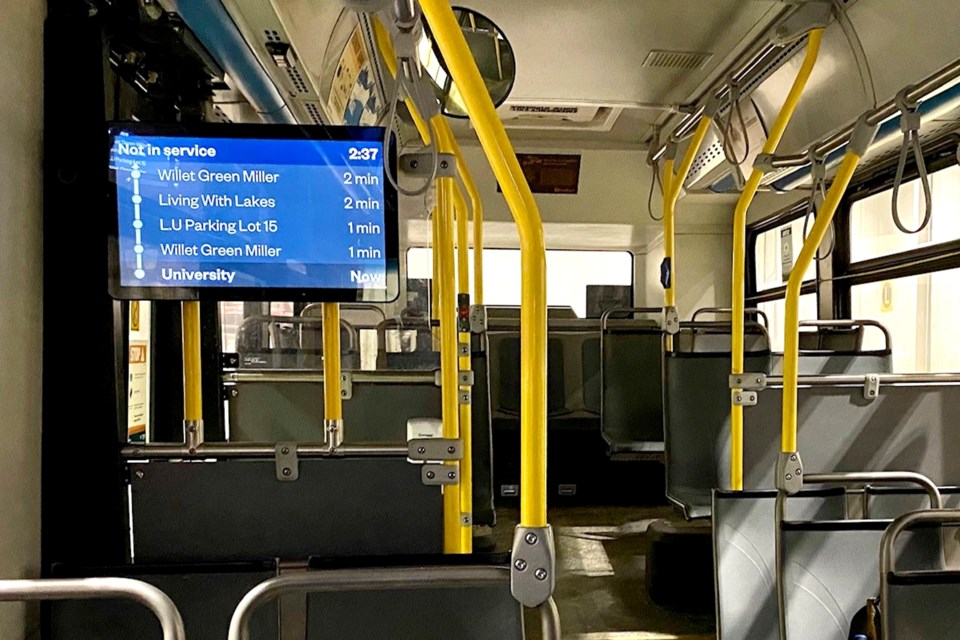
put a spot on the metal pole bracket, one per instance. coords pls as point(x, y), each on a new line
point(743, 398)
point(434, 475)
point(346, 386)
point(421, 165)
point(533, 566)
point(434, 449)
point(789, 472)
point(287, 463)
point(871, 386)
point(465, 377)
point(671, 320)
point(478, 317)
point(813, 14)
point(748, 381)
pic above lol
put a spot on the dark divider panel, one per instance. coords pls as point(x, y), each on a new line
point(923, 605)
point(293, 411)
point(697, 425)
point(483, 511)
point(632, 392)
point(206, 596)
point(745, 562)
point(905, 428)
point(237, 510)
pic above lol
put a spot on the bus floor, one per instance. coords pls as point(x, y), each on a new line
point(601, 584)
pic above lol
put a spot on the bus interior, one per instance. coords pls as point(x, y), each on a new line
point(618, 320)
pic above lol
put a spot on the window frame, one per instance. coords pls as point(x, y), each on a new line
point(753, 296)
point(914, 262)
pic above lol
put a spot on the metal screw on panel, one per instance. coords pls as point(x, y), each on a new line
point(793, 458)
point(421, 449)
point(234, 392)
point(138, 474)
point(531, 538)
point(540, 574)
point(799, 472)
point(431, 475)
point(451, 450)
point(414, 164)
point(789, 477)
point(286, 471)
point(452, 475)
point(520, 564)
point(444, 164)
point(285, 450)
point(739, 398)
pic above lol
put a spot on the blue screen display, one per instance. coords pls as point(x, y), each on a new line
point(258, 213)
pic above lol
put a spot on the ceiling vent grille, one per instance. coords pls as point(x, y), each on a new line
point(685, 60)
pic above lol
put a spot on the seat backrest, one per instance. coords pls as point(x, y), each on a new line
point(922, 605)
point(832, 567)
point(696, 405)
point(745, 556)
point(905, 427)
point(632, 385)
point(508, 363)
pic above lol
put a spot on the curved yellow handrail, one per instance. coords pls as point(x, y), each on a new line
point(738, 276)
point(533, 321)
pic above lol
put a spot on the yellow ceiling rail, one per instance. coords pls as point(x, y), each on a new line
point(533, 416)
point(738, 271)
point(789, 467)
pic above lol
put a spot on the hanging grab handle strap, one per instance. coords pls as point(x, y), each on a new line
point(910, 126)
point(818, 176)
point(729, 152)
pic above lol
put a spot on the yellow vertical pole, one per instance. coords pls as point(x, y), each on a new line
point(452, 537)
point(436, 283)
point(192, 393)
point(466, 366)
point(533, 313)
point(332, 401)
point(192, 388)
point(791, 329)
point(738, 290)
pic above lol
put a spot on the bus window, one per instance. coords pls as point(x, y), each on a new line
point(873, 233)
point(769, 265)
point(568, 274)
point(921, 312)
point(776, 309)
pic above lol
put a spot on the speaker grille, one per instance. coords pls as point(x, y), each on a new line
point(686, 60)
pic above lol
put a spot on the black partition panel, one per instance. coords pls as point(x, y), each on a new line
point(923, 605)
point(292, 411)
point(205, 595)
point(229, 510)
point(632, 388)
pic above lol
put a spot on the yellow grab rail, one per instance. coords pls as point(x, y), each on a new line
point(673, 185)
point(452, 535)
point(738, 291)
point(466, 366)
point(332, 400)
point(533, 321)
point(789, 467)
point(192, 386)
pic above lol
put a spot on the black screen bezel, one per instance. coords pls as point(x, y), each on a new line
point(265, 132)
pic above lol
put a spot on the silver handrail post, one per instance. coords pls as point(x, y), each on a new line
point(99, 589)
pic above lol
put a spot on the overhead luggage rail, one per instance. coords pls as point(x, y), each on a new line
point(99, 589)
point(380, 579)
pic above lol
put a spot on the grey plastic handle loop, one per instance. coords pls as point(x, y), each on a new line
point(910, 126)
point(729, 153)
point(818, 172)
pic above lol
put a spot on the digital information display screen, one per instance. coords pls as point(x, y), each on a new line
point(305, 210)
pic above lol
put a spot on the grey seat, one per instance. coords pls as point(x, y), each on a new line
point(696, 405)
point(923, 605)
point(745, 556)
point(631, 379)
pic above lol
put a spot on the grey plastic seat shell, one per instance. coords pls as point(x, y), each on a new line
point(339, 507)
point(745, 556)
point(831, 568)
